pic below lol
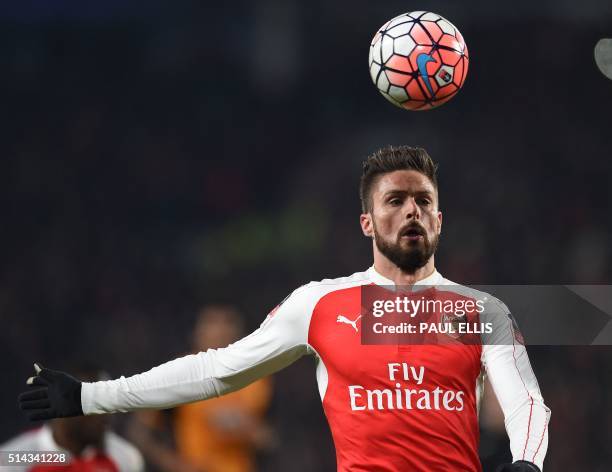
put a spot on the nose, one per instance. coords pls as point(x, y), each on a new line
point(412, 209)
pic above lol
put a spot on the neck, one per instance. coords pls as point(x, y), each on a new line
point(390, 271)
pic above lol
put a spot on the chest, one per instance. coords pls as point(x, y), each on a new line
point(336, 335)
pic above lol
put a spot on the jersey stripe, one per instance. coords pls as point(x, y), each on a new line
point(526, 389)
point(541, 439)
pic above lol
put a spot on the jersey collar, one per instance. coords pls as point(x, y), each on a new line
point(434, 279)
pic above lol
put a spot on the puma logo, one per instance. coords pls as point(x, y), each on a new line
point(344, 319)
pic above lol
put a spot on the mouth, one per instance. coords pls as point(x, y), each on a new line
point(413, 233)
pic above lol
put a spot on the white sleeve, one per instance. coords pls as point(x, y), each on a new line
point(516, 387)
point(280, 340)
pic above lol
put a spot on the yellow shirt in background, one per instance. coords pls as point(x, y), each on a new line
point(214, 434)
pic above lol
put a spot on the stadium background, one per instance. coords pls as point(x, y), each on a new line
point(157, 158)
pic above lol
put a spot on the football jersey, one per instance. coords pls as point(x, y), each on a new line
point(118, 454)
point(390, 407)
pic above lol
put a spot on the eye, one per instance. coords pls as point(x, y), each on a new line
point(424, 201)
point(394, 201)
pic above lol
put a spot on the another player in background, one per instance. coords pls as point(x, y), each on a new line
point(218, 435)
point(431, 427)
point(87, 440)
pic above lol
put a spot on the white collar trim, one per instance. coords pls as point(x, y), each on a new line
point(433, 279)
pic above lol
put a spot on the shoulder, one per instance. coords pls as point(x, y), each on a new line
point(127, 457)
point(302, 300)
point(491, 303)
point(502, 328)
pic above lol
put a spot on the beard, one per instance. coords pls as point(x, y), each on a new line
point(410, 255)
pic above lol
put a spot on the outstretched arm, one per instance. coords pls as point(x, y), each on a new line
point(279, 341)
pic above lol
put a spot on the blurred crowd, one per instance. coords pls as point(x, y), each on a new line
point(156, 162)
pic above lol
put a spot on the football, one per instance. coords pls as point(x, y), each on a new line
point(418, 60)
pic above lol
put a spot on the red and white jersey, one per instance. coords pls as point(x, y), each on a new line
point(118, 454)
point(390, 407)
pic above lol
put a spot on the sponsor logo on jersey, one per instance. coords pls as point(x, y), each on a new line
point(344, 319)
point(407, 392)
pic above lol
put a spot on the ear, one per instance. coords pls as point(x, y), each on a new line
point(439, 222)
point(365, 220)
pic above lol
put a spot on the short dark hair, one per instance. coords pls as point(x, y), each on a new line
point(390, 159)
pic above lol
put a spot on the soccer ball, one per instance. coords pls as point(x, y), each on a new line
point(418, 60)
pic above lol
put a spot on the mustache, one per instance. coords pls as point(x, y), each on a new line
point(412, 229)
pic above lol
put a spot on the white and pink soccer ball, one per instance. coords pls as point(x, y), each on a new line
point(418, 60)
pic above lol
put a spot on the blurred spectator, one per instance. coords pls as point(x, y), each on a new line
point(87, 440)
point(217, 435)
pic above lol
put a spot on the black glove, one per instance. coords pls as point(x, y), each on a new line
point(59, 395)
point(518, 466)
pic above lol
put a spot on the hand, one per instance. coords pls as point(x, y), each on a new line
point(518, 466)
point(59, 395)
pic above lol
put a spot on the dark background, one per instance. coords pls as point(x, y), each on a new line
point(158, 157)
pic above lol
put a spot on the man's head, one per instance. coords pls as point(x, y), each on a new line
point(216, 326)
point(399, 198)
